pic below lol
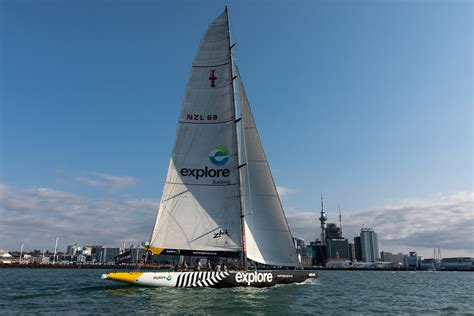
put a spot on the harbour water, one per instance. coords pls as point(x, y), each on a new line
point(335, 292)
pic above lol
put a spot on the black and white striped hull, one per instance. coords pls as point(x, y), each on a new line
point(212, 279)
point(200, 279)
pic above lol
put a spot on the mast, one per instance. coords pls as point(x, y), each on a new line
point(234, 107)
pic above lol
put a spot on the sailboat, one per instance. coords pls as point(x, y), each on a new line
point(219, 198)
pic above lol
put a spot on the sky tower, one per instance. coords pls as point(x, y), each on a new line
point(323, 218)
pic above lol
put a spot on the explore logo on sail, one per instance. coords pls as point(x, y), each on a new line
point(219, 155)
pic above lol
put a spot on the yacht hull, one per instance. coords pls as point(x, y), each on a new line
point(212, 279)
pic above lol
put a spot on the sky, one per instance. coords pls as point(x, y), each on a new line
point(370, 102)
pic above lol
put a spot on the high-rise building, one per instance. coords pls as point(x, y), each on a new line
point(358, 251)
point(333, 232)
point(337, 248)
point(352, 253)
point(319, 253)
point(369, 245)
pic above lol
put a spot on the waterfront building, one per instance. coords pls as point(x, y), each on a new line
point(68, 258)
point(358, 251)
point(388, 265)
point(369, 245)
point(363, 265)
point(137, 254)
point(337, 248)
point(428, 264)
point(81, 258)
point(71, 250)
point(41, 260)
point(6, 258)
point(412, 261)
point(459, 263)
point(95, 249)
point(352, 254)
point(106, 255)
point(87, 250)
point(307, 261)
point(319, 253)
point(392, 257)
point(338, 264)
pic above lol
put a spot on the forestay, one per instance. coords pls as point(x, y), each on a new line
point(268, 237)
point(200, 209)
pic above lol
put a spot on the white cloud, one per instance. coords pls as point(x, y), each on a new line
point(89, 181)
point(112, 182)
point(37, 216)
point(284, 192)
point(445, 221)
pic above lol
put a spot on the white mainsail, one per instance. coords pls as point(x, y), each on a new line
point(200, 208)
point(268, 237)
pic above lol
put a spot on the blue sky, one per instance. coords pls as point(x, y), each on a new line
point(370, 101)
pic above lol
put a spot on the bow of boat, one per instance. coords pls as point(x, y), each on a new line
point(125, 277)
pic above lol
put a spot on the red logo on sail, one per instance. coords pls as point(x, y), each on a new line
point(212, 78)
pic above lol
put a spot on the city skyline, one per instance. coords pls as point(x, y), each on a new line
point(369, 102)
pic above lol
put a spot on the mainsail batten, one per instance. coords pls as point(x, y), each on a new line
point(199, 210)
point(268, 237)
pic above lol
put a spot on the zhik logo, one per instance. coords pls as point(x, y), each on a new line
point(219, 155)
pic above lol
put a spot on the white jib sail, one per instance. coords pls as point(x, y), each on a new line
point(200, 207)
point(268, 237)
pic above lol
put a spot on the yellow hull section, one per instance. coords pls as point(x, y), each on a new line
point(125, 277)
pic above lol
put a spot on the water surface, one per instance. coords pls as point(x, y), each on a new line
point(335, 292)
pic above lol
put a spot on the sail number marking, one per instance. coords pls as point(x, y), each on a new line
point(201, 117)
